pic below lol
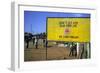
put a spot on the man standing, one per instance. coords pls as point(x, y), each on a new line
point(27, 41)
point(33, 40)
point(36, 43)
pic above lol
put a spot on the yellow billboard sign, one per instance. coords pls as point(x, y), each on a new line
point(68, 29)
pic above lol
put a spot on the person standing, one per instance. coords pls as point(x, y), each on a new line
point(36, 43)
point(27, 41)
point(44, 42)
point(33, 40)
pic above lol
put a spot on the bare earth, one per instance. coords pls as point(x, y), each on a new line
point(53, 53)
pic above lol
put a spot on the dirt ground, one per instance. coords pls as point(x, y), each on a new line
point(51, 53)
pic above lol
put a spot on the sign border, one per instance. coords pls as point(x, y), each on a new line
point(16, 61)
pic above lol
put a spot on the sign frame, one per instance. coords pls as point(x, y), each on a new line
point(17, 27)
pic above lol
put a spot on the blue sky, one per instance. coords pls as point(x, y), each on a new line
point(35, 21)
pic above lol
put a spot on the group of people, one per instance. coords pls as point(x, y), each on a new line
point(73, 50)
point(35, 42)
point(83, 52)
point(72, 46)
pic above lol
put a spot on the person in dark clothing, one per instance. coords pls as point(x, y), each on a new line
point(33, 41)
point(44, 42)
point(73, 50)
point(36, 45)
point(27, 41)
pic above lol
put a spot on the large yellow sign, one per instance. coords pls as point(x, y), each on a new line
point(68, 29)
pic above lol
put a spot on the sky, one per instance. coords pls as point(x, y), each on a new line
point(35, 21)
